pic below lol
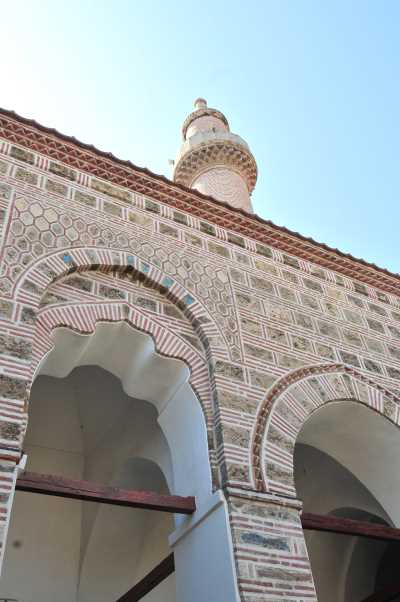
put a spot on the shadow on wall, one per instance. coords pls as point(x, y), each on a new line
point(342, 457)
point(84, 425)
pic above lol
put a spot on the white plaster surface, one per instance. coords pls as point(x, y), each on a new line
point(363, 441)
point(87, 421)
point(341, 468)
point(204, 124)
point(71, 550)
point(204, 555)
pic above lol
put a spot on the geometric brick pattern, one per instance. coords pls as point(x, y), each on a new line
point(68, 151)
point(271, 325)
point(31, 222)
point(33, 282)
point(271, 555)
point(272, 558)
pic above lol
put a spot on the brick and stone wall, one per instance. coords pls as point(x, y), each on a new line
point(268, 334)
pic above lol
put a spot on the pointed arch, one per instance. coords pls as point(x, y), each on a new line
point(83, 319)
point(291, 401)
point(35, 280)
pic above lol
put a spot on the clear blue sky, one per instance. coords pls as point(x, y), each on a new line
point(313, 86)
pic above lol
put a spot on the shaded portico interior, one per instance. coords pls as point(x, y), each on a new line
point(87, 423)
point(342, 457)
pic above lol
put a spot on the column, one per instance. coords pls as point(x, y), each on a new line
point(204, 560)
point(270, 551)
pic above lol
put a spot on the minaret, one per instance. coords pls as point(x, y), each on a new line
point(213, 160)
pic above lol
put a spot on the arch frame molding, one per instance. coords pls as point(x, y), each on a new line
point(291, 401)
point(38, 277)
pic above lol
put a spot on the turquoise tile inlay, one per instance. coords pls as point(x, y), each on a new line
point(167, 282)
point(145, 268)
point(188, 300)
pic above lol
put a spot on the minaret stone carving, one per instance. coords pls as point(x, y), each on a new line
point(215, 161)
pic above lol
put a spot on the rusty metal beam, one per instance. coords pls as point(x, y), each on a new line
point(150, 581)
point(347, 526)
point(94, 492)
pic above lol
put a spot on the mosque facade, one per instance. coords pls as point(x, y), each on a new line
point(225, 390)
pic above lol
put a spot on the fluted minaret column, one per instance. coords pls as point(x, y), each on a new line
point(213, 160)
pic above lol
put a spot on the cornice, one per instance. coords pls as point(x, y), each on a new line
point(87, 158)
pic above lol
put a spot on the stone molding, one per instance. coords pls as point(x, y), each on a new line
point(40, 275)
point(216, 153)
point(316, 385)
point(268, 498)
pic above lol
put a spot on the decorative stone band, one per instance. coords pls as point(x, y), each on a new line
point(10, 453)
point(287, 406)
point(258, 496)
point(33, 283)
point(213, 153)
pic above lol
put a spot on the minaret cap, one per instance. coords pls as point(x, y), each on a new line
point(200, 103)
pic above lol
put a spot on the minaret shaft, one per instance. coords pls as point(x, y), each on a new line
point(215, 161)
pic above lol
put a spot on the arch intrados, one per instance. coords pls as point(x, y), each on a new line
point(86, 427)
point(145, 467)
point(162, 381)
point(332, 405)
point(108, 347)
point(321, 392)
point(87, 409)
point(364, 441)
point(359, 514)
point(84, 318)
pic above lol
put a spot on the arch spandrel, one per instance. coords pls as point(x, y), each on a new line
point(210, 307)
point(288, 405)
